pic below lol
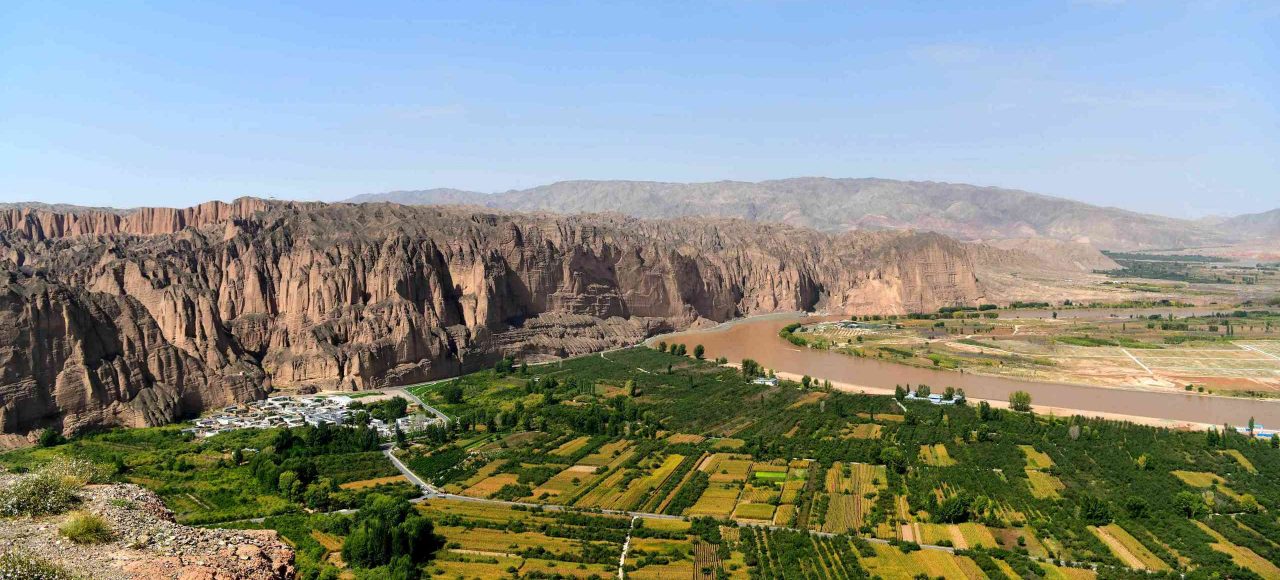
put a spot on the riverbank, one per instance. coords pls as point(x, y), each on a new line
point(757, 338)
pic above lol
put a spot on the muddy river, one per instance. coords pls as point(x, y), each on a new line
point(757, 338)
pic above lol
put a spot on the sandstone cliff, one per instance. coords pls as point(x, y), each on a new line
point(140, 318)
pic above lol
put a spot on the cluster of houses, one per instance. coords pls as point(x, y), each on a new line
point(935, 398)
point(279, 412)
point(1259, 431)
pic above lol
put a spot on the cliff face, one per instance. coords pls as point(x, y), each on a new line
point(137, 319)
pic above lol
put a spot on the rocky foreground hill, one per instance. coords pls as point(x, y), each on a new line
point(963, 211)
point(145, 542)
point(140, 317)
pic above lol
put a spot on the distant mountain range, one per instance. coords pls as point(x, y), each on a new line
point(964, 211)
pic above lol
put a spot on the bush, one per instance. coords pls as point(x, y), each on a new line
point(86, 528)
point(1020, 401)
point(37, 495)
point(76, 471)
point(16, 566)
point(50, 438)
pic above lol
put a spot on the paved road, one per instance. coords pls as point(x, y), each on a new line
point(428, 408)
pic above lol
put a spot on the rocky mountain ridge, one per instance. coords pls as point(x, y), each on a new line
point(963, 211)
point(141, 318)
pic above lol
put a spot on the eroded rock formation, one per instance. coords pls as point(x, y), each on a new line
point(139, 318)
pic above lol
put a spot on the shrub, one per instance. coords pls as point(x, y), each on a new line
point(50, 438)
point(38, 494)
point(17, 566)
point(76, 471)
point(1020, 401)
point(86, 528)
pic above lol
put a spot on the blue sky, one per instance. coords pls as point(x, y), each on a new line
point(1160, 106)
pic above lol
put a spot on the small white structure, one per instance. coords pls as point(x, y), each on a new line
point(769, 381)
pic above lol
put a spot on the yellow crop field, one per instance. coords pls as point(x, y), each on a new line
point(753, 494)
point(551, 568)
point(1242, 556)
point(935, 533)
point(782, 517)
point(1199, 478)
point(665, 525)
point(437, 508)
point(566, 482)
point(570, 447)
point(977, 536)
point(607, 453)
point(856, 478)
point(604, 494)
point(891, 563)
point(863, 431)
point(1127, 548)
point(480, 474)
point(1065, 573)
point(728, 443)
point(678, 438)
point(1241, 459)
point(1036, 459)
point(663, 571)
point(472, 566)
point(754, 511)
point(490, 485)
point(637, 491)
point(1205, 480)
point(844, 512)
point(791, 491)
point(729, 468)
point(504, 542)
point(373, 482)
point(718, 500)
point(1043, 485)
point(769, 467)
point(936, 455)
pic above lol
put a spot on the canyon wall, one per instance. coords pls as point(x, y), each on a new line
point(140, 318)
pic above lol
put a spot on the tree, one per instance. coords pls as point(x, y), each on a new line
point(452, 393)
point(949, 393)
point(899, 392)
point(698, 351)
point(954, 509)
point(504, 366)
point(923, 391)
point(50, 437)
point(1020, 401)
point(1136, 507)
point(805, 381)
point(892, 457)
point(1095, 511)
point(386, 529)
point(1251, 425)
point(1189, 504)
point(662, 346)
point(750, 368)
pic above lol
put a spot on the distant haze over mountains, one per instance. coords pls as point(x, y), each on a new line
point(963, 211)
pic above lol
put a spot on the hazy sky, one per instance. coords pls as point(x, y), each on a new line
point(1156, 106)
